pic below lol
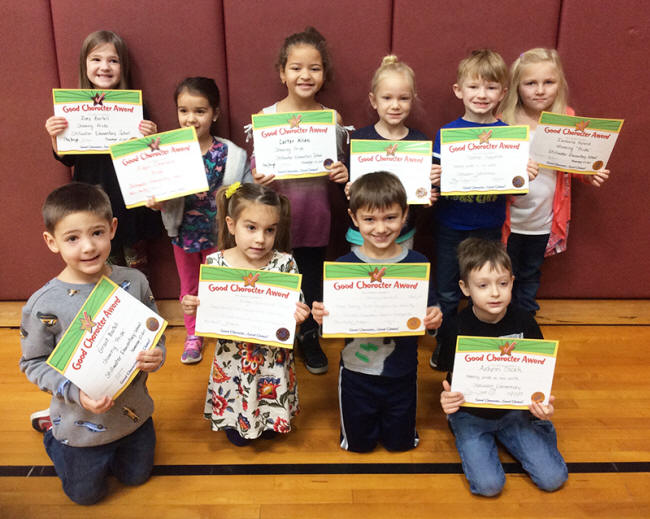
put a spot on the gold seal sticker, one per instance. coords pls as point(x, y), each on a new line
point(538, 397)
point(152, 324)
point(327, 163)
point(421, 192)
point(518, 181)
point(282, 334)
point(597, 165)
point(413, 323)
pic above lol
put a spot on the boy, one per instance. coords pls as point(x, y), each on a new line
point(378, 389)
point(486, 277)
point(87, 439)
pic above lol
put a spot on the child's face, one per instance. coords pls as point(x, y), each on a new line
point(303, 74)
point(392, 99)
point(480, 97)
point(194, 110)
point(379, 228)
point(83, 240)
point(254, 232)
point(490, 290)
point(103, 66)
point(538, 86)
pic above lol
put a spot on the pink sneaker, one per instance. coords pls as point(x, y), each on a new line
point(41, 421)
point(192, 352)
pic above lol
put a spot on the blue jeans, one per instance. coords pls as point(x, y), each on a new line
point(526, 252)
point(83, 470)
point(532, 442)
point(447, 273)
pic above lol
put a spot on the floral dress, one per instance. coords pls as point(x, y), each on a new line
point(252, 387)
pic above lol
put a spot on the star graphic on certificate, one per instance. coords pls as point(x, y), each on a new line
point(250, 279)
point(98, 99)
point(484, 137)
point(294, 121)
point(377, 274)
point(506, 349)
point(390, 150)
point(87, 323)
point(582, 125)
point(154, 144)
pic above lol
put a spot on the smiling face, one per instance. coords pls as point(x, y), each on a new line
point(490, 290)
point(392, 99)
point(103, 66)
point(380, 227)
point(254, 231)
point(538, 86)
point(193, 109)
point(480, 98)
point(303, 73)
point(83, 239)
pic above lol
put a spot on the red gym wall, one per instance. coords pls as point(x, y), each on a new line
point(603, 45)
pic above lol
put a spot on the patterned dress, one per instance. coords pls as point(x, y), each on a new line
point(252, 387)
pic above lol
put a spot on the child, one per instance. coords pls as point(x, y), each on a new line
point(378, 398)
point(104, 64)
point(486, 277)
point(304, 67)
point(538, 222)
point(87, 439)
point(392, 93)
point(252, 389)
point(190, 221)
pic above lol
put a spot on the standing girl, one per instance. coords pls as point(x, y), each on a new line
point(304, 67)
point(104, 64)
point(392, 93)
point(252, 389)
point(191, 220)
point(538, 223)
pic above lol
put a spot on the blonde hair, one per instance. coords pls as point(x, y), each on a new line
point(98, 38)
point(483, 64)
point(512, 102)
point(392, 64)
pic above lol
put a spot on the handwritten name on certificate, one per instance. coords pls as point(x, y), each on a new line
point(98, 351)
point(248, 305)
point(485, 160)
point(374, 300)
point(165, 165)
point(295, 144)
point(96, 118)
point(409, 160)
point(505, 373)
point(574, 144)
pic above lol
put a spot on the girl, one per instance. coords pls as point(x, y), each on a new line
point(392, 93)
point(252, 389)
point(104, 64)
point(190, 221)
point(304, 67)
point(538, 222)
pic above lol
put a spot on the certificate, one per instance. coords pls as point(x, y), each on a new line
point(574, 144)
point(484, 160)
point(409, 160)
point(248, 305)
point(96, 118)
point(504, 373)
point(165, 165)
point(98, 351)
point(295, 144)
point(374, 299)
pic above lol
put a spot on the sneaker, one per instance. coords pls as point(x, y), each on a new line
point(315, 358)
point(193, 350)
point(433, 361)
point(41, 421)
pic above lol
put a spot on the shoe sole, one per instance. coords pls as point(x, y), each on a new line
point(192, 361)
point(317, 371)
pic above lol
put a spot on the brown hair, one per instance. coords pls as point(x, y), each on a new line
point(309, 36)
point(484, 64)
point(75, 197)
point(377, 190)
point(252, 194)
point(98, 38)
point(391, 63)
point(473, 253)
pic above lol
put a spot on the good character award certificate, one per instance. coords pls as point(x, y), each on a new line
point(574, 144)
point(484, 160)
point(503, 373)
point(295, 144)
point(248, 305)
point(165, 165)
point(409, 160)
point(96, 118)
point(374, 300)
point(98, 351)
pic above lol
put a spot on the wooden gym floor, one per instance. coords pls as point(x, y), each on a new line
point(602, 385)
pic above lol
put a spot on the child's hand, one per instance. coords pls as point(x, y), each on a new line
point(150, 360)
point(151, 203)
point(433, 319)
point(532, 168)
point(189, 304)
point(264, 180)
point(543, 412)
point(147, 128)
point(339, 173)
point(347, 190)
point(56, 125)
point(95, 406)
point(450, 400)
point(302, 312)
point(434, 176)
point(318, 311)
point(599, 178)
